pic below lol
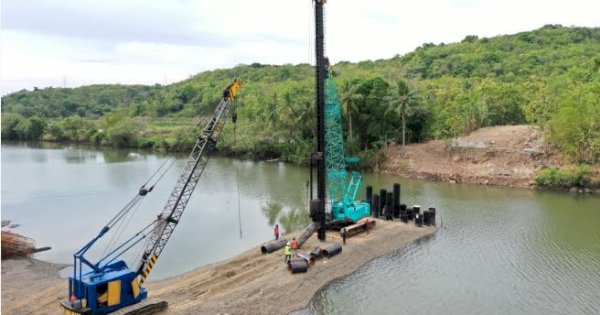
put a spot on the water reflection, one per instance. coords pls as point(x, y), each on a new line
point(501, 251)
point(290, 219)
point(271, 209)
point(294, 220)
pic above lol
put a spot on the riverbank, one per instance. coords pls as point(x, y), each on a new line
point(501, 155)
point(249, 283)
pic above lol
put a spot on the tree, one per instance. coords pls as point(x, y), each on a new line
point(123, 133)
point(350, 98)
point(9, 122)
point(405, 103)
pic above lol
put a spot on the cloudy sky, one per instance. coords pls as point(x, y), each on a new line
point(78, 42)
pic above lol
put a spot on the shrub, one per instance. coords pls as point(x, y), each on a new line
point(556, 178)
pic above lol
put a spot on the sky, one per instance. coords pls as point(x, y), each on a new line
point(66, 43)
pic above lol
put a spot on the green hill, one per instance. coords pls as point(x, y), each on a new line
point(549, 76)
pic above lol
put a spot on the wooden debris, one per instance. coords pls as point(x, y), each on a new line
point(15, 245)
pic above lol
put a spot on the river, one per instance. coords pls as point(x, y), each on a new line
point(498, 250)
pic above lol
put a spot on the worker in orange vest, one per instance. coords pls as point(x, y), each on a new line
point(294, 245)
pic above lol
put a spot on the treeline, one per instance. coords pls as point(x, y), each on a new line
point(549, 77)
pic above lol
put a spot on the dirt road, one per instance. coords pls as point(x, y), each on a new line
point(250, 283)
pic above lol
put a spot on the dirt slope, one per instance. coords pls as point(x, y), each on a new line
point(501, 155)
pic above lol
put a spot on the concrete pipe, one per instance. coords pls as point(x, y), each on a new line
point(332, 250)
point(297, 265)
point(273, 246)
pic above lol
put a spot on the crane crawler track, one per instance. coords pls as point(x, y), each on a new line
point(146, 307)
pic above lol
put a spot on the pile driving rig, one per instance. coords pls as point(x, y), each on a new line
point(108, 284)
point(329, 158)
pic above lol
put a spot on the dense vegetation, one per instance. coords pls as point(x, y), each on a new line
point(549, 77)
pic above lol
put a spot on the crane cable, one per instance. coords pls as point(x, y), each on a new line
point(134, 203)
point(237, 180)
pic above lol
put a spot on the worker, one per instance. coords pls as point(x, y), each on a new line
point(287, 252)
point(344, 235)
point(276, 231)
point(294, 247)
point(73, 299)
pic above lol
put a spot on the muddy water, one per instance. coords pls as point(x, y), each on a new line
point(498, 251)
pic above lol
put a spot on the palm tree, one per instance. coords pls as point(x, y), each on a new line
point(404, 102)
point(350, 99)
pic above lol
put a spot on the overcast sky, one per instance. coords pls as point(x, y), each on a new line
point(79, 42)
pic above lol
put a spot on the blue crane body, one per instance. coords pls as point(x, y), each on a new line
point(109, 284)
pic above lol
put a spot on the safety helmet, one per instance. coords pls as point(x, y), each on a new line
point(288, 244)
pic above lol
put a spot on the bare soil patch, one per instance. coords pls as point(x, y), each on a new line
point(501, 155)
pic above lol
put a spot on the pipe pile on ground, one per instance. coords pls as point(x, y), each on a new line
point(332, 250)
point(272, 246)
point(15, 245)
point(316, 252)
point(358, 228)
point(297, 265)
point(307, 257)
point(310, 229)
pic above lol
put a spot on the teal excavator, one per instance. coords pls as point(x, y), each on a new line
point(329, 160)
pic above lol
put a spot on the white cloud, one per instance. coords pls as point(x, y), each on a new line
point(140, 41)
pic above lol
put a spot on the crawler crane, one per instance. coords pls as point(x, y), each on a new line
point(108, 284)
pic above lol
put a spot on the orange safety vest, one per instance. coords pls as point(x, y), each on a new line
point(294, 244)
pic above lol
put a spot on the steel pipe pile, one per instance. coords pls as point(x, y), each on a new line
point(310, 229)
point(382, 200)
point(376, 206)
point(272, 246)
point(297, 265)
point(332, 250)
point(396, 200)
point(389, 208)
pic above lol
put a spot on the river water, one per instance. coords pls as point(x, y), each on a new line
point(498, 250)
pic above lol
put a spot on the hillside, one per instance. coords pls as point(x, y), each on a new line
point(549, 77)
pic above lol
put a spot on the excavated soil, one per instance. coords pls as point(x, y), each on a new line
point(501, 155)
point(250, 283)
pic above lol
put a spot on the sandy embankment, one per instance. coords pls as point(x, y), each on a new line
point(250, 283)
